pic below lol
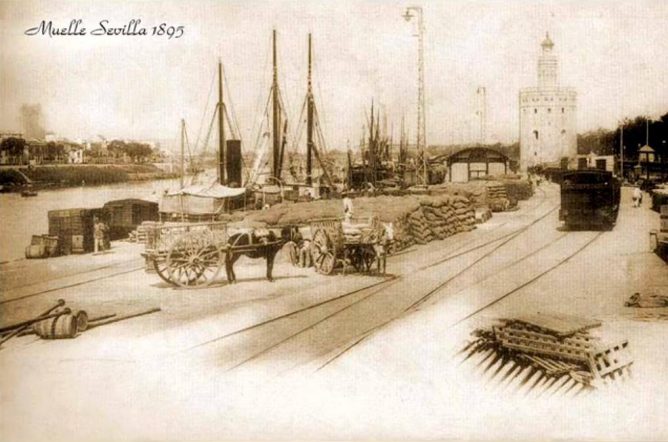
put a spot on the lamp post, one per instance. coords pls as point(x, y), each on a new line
point(421, 115)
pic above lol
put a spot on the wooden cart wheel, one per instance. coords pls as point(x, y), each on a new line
point(194, 260)
point(323, 253)
point(325, 263)
point(160, 266)
point(319, 245)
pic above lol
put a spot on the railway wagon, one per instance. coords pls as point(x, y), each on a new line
point(589, 199)
point(126, 214)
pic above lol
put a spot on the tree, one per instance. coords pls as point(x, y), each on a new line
point(14, 148)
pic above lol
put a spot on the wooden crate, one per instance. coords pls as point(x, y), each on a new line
point(70, 223)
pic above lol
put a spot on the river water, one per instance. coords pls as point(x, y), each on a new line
point(20, 217)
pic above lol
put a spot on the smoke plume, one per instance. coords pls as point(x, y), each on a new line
point(31, 119)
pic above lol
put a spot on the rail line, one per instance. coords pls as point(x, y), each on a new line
point(422, 299)
point(392, 280)
point(74, 284)
point(496, 300)
point(534, 279)
point(387, 281)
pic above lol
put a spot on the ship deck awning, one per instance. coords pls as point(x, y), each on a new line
point(200, 199)
point(209, 191)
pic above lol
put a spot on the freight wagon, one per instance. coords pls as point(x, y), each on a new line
point(127, 214)
point(75, 228)
point(589, 198)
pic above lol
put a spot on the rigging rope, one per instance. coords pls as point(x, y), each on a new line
point(206, 107)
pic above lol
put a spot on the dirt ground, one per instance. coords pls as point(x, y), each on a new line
point(174, 375)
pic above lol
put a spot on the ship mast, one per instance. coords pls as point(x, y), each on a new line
point(276, 116)
point(183, 168)
point(221, 127)
point(309, 120)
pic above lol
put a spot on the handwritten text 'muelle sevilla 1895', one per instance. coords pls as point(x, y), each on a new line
point(132, 28)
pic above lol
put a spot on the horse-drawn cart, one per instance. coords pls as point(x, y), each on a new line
point(345, 243)
point(192, 254)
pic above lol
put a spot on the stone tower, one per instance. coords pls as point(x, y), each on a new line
point(548, 130)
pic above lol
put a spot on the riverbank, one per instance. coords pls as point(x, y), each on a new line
point(14, 179)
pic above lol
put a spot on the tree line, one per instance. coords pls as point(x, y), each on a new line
point(55, 151)
point(607, 142)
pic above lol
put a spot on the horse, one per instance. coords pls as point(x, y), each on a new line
point(255, 244)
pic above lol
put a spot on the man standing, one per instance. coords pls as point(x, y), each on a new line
point(637, 196)
point(98, 235)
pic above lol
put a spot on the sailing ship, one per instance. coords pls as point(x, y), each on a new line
point(270, 180)
point(208, 201)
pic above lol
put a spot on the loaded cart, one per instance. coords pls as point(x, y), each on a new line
point(338, 243)
point(192, 254)
point(186, 254)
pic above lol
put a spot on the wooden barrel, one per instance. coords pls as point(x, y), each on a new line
point(59, 327)
point(36, 251)
point(82, 320)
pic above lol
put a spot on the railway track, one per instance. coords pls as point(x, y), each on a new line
point(317, 332)
point(361, 294)
point(46, 286)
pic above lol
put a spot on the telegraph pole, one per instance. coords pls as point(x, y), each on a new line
point(421, 114)
point(482, 107)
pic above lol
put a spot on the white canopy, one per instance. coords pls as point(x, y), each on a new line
point(199, 199)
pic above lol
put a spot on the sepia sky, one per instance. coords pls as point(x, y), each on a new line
point(613, 52)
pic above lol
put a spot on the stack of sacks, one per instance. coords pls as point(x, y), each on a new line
point(475, 191)
point(419, 227)
point(497, 196)
point(415, 218)
point(518, 190)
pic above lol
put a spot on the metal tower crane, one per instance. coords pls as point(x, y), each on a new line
point(421, 111)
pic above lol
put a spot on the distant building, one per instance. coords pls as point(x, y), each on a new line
point(548, 129)
point(594, 161)
point(75, 156)
point(646, 154)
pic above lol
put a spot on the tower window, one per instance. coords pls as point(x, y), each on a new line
point(535, 111)
point(562, 110)
point(535, 134)
point(549, 110)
